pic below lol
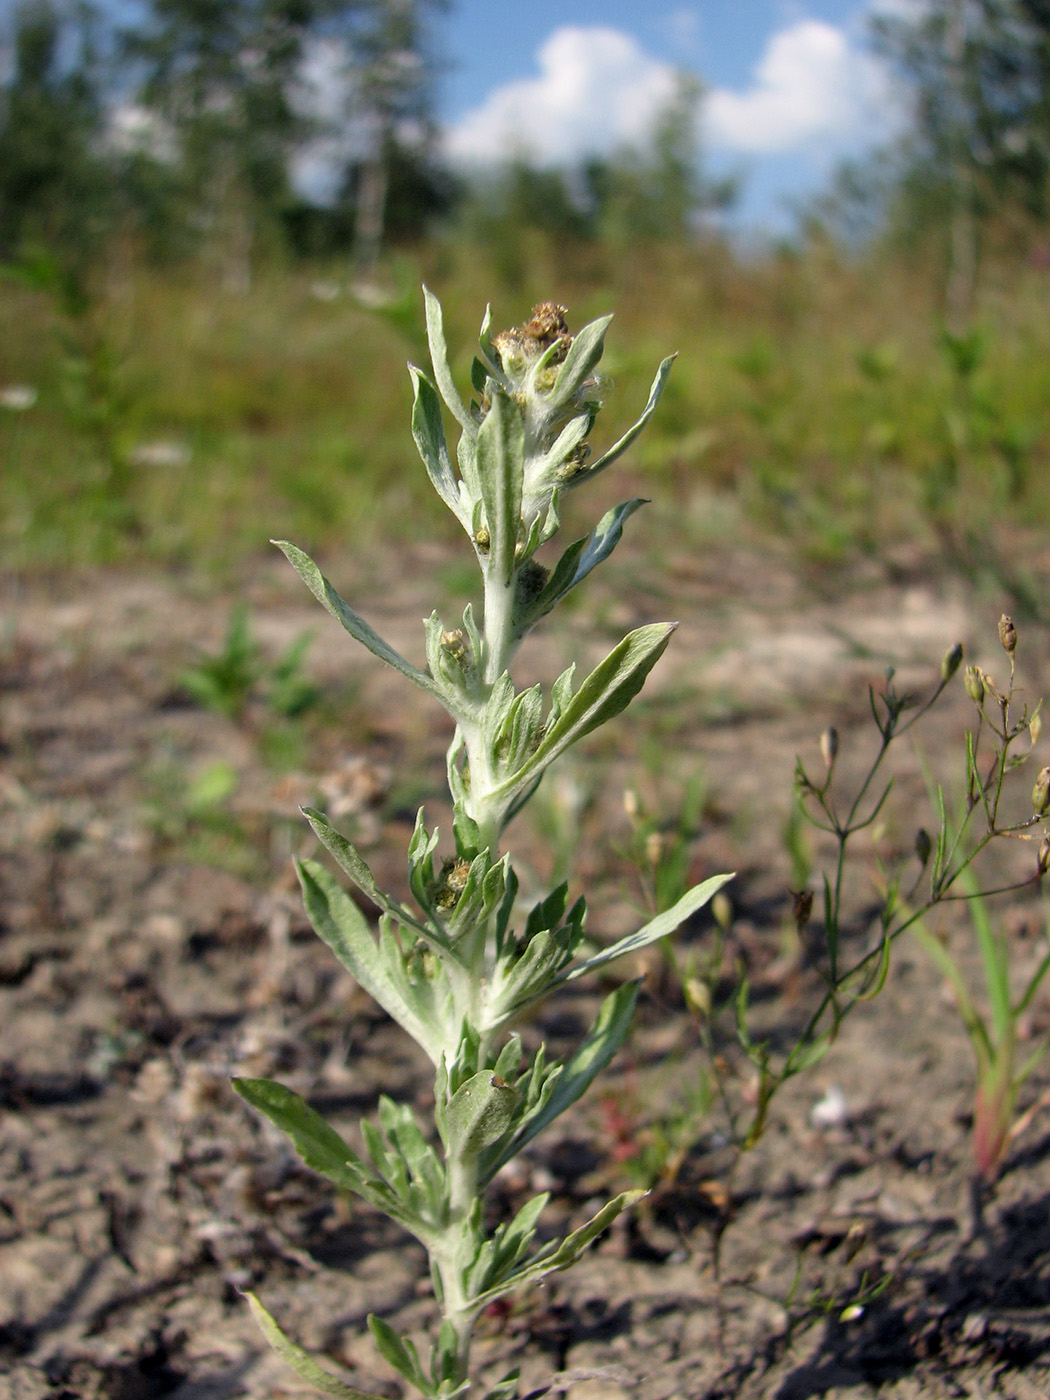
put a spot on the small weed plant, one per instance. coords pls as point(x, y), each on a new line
point(465, 964)
point(938, 870)
point(1003, 721)
point(225, 681)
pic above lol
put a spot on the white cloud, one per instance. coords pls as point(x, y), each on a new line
point(812, 90)
point(596, 90)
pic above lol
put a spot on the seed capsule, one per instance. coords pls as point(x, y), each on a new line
point(973, 683)
point(1007, 634)
point(1041, 792)
point(829, 746)
point(952, 657)
point(923, 846)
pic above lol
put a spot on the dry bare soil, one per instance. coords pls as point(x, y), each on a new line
point(152, 945)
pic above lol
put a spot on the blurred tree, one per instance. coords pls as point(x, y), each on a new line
point(650, 193)
point(54, 185)
point(980, 139)
point(391, 75)
point(218, 79)
point(658, 191)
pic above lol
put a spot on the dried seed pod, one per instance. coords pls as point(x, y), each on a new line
point(1041, 793)
point(1007, 634)
point(802, 907)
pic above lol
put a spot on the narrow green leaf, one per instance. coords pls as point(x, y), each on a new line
point(562, 448)
point(301, 1361)
point(659, 927)
point(348, 858)
point(479, 1113)
point(605, 537)
point(445, 1362)
point(610, 688)
point(971, 1017)
point(579, 364)
point(581, 557)
point(610, 1031)
point(429, 434)
point(358, 628)
point(562, 1255)
point(527, 980)
point(507, 1388)
point(322, 1148)
point(400, 1352)
point(439, 358)
point(501, 472)
point(509, 1060)
point(1034, 983)
point(316, 1141)
point(618, 449)
point(339, 922)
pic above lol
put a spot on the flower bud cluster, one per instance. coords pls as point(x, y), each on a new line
point(558, 412)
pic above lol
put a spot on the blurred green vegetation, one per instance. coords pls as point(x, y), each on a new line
point(816, 401)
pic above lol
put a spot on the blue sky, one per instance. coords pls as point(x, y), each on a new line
point(792, 86)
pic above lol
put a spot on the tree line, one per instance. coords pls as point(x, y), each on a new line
point(240, 129)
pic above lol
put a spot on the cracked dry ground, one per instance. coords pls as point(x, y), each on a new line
point(151, 944)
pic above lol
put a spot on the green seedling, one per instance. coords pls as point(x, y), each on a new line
point(994, 1034)
point(225, 682)
point(462, 965)
point(662, 850)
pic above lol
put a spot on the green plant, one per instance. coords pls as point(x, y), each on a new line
point(459, 970)
point(994, 1037)
point(945, 874)
point(662, 850)
point(225, 682)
